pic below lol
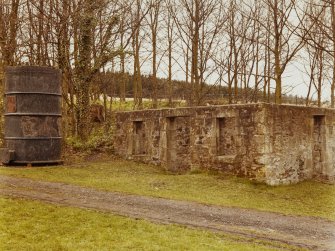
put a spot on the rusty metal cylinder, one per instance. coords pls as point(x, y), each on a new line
point(32, 130)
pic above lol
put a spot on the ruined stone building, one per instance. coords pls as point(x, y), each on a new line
point(276, 144)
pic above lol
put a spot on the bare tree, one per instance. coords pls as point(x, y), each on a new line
point(140, 11)
point(200, 24)
point(154, 9)
point(9, 25)
point(170, 35)
point(238, 55)
point(322, 23)
point(317, 68)
point(282, 31)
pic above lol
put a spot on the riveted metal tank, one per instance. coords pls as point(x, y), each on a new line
point(32, 129)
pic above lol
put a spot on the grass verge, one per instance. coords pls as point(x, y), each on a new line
point(29, 225)
point(306, 198)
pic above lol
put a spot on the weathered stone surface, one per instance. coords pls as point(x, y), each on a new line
point(277, 144)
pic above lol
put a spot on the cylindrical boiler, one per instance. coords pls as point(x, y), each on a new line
point(32, 129)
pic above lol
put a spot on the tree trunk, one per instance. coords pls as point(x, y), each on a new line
point(278, 94)
point(332, 89)
point(170, 70)
point(84, 68)
point(154, 69)
point(195, 53)
point(8, 33)
point(277, 50)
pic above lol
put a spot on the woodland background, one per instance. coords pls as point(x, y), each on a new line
point(197, 51)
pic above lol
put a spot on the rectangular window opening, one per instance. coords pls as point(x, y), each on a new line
point(318, 141)
point(225, 136)
point(220, 122)
point(319, 120)
point(139, 138)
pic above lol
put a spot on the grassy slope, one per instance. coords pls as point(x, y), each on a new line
point(27, 225)
point(307, 198)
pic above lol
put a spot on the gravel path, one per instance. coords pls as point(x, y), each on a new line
point(306, 232)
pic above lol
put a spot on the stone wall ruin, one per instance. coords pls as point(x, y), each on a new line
point(276, 144)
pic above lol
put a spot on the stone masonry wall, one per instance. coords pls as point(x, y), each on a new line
point(270, 143)
point(299, 144)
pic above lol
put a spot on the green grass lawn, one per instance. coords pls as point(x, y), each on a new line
point(28, 225)
point(307, 198)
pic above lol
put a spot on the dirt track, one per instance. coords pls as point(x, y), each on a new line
point(306, 232)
